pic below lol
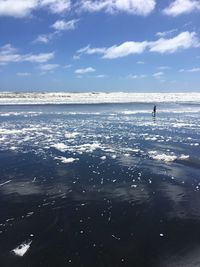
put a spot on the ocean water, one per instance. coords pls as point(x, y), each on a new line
point(100, 185)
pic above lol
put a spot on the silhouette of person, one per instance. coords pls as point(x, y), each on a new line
point(154, 110)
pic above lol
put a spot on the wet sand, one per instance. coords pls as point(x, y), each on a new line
point(100, 185)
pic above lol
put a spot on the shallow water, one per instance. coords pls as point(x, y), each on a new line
point(100, 185)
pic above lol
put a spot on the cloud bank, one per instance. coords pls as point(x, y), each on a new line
point(86, 70)
point(24, 8)
point(9, 54)
point(59, 26)
point(179, 7)
point(190, 70)
point(136, 7)
point(182, 41)
point(62, 25)
point(48, 67)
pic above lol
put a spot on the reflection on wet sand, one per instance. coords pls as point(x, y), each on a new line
point(103, 188)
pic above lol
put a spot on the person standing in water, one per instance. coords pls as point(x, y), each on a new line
point(154, 110)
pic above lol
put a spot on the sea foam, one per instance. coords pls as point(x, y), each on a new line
point(91, 98)
point(166, 157)
point(22, 249)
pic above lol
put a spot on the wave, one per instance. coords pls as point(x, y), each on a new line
point(24, 98)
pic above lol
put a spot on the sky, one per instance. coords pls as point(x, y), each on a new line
point(100, 45)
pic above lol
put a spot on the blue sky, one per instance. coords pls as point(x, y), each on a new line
point(100, 45)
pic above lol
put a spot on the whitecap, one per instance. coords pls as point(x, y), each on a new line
point(91, 98)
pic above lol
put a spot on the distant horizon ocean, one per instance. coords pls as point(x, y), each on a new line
point(95, 97)
point(96, 179)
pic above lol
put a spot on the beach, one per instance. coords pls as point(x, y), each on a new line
point(103, 183)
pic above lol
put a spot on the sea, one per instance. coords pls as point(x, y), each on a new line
point(99, 180)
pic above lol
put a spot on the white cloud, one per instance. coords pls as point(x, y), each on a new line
point(86, 70)
point(137, 7)
point(163, 68)
point(44, 38)
point(56, 6)
point(194, 70)
point(179, 7)
point(9, 54)
point(48, 67)
point(58, 26)
point(67, 66)
point(23, 74)
point(140, 62)
point(134, 76)
point(62, 25)
point(38, 58)
point(101, 76)
point(90, 51)
point(125, 49)
point(190, 70)
point(24, 8)
point(18, 8)
point(182, 41)
point(76, 57)
point(7, 49)
point(166, 33)
point(94, 6)
point(158, 74)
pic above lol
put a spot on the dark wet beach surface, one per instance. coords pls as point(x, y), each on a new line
point(100, 185)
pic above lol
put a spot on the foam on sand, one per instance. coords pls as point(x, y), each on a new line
point(5, 182)
point(60, 146)
point(87, 148)
point(22, 249)
point(69, 135)
point(83, 148)
point(66, 160)
point(166, 157)
point(184, 157)
point(9, 131)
